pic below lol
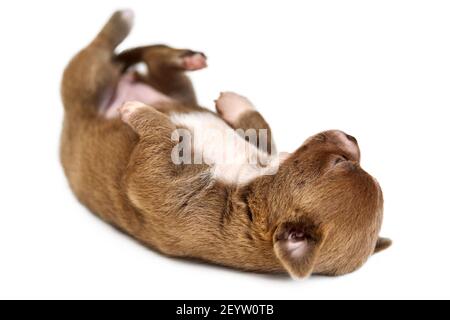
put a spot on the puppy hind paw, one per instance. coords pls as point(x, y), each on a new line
point(231, 106)
point(191, 60)
point(130, 108)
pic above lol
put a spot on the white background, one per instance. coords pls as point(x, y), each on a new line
point(379, 70)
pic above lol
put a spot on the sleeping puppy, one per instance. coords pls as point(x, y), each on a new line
point(141, 153)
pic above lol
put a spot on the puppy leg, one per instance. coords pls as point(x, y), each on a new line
point(240, 113)
point(151, 158)
point(167, 67)
point(91, 76)
point(145, 120)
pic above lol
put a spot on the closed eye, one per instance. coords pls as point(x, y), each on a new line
point(340, 160)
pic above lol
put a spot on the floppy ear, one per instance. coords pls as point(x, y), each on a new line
point(297, 245)
point(382, 244)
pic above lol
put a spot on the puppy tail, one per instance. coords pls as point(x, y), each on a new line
point(91, 76)
point(116, 30)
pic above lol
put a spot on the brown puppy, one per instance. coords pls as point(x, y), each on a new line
point(315, 211)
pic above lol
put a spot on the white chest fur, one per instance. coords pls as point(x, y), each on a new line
point(232, 159)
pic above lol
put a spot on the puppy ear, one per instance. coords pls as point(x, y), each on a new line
point(297, 245)
point(382, 244)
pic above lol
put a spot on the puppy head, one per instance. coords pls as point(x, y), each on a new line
point(329, 217)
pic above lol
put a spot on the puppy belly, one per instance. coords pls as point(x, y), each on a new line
point(230, 157)
point(128, 89)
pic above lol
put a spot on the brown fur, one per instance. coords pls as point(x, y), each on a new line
point(124, 174)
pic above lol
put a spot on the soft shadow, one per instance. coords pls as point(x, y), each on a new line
point(202, 263)
point(280, 277)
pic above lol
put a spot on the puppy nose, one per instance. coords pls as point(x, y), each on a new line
point(351, 138)
point(346, 142)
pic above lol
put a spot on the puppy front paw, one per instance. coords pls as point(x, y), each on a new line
point(130, 108)
point(231, 106)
